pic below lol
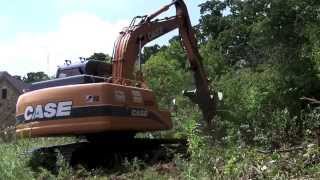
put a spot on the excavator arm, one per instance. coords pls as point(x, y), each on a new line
point(132, 39)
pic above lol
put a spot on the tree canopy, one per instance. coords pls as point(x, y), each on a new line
point(35, 77)
point(100, 57)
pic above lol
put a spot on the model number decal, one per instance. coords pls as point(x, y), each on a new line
point(50, 110)
point(137, 97)
point(120, 96)
point(139, 112)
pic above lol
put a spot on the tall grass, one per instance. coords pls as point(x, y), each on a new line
point(14, 157)
point(205, 161)
point(13, 161)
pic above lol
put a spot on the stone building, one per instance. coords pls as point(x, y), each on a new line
point(10, 89)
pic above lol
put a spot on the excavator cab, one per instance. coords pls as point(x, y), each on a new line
point(80, 73)
point(90, 67)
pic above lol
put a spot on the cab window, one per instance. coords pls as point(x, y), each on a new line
point(69, 72)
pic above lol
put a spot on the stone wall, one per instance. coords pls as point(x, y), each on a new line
point(8, 105)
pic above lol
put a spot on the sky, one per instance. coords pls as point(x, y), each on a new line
point(38, 35)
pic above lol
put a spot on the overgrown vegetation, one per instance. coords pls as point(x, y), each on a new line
point(264, 56)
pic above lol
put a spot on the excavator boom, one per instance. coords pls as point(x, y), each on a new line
point(133, 38)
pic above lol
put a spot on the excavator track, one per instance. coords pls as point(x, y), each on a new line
point(109, 154)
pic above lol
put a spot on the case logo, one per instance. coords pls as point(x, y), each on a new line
point(139, 112)
point(50, 110)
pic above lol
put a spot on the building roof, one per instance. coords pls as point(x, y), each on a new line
point(16, 83)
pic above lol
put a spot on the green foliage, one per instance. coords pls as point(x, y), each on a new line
point(255, 32)
point(205, 162)
point(255, 94)
point(256, 107)
point(165, 77)
point(15, 156)
point(263, 56)
point(149, 51)
point(35, 77)
point(13, 162)
point(234, 162)
point(215, 65)
point(100, 57)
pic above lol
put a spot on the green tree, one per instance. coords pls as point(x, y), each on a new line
point(150, 51)
point(252, 37)
point(35, 77)
point(165, 76)
point(100, 57)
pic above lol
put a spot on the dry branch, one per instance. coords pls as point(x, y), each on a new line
point(311, 100)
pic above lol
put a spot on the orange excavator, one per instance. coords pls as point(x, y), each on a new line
point(94, 98)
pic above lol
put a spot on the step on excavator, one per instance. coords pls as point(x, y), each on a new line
point(111, 102)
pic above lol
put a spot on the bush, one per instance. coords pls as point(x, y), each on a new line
point(258, 107)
